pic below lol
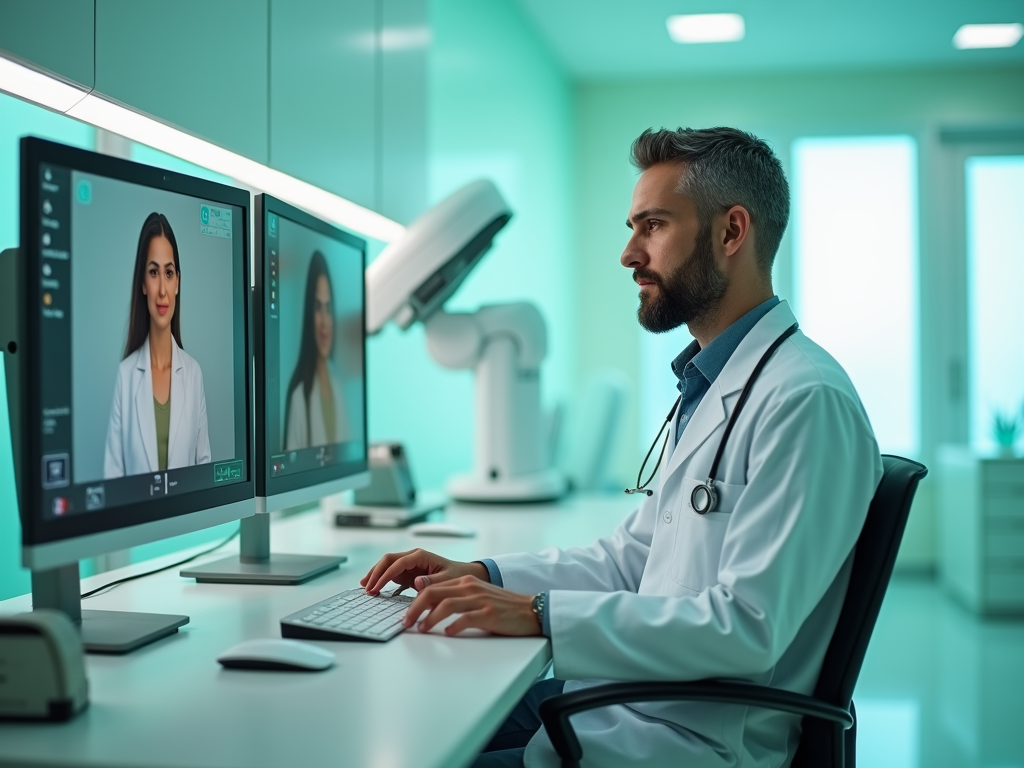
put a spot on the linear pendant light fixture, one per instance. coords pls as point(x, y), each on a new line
point(706, 28)
point(85, 105)
point(988, 35)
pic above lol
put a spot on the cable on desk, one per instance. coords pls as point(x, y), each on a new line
point(196, 556)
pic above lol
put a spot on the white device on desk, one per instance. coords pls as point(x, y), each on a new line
point(391, 499)
point(505, 344)
point(277, 654)
point(442, 529)
point(42, 667)
point(349, 615)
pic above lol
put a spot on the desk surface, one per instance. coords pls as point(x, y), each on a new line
point(418, 700)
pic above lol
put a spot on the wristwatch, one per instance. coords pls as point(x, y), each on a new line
point(538, 609)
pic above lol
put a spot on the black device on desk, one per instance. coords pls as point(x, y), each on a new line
point(309, 317)
point(121, 264)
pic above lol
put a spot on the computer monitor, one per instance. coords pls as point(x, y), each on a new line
point(309, 317)
point(128, 359)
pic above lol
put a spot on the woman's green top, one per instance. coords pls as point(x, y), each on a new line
point(163, 428)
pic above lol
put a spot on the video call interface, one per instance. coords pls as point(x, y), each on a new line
point(143, 332)
point(313, 309)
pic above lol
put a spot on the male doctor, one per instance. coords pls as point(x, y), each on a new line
point(750, 589)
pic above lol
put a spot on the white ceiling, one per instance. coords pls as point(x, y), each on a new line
point(622, 39)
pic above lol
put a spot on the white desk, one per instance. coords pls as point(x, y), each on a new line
point(418, 701)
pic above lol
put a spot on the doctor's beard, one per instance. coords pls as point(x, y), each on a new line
point(692, 292)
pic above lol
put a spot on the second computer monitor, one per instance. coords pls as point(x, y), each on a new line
point(310, 320)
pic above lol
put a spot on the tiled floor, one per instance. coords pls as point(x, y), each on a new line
point(940, 687)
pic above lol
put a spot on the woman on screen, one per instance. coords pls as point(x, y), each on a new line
point(316, 406)
point(158, 418)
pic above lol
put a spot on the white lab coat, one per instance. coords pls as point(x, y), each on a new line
point(298, 436)
point(752, 590)
point(131, 436)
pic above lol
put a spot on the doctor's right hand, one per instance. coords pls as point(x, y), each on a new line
point(418, 569)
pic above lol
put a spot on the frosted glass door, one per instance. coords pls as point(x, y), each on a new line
point(994, 196)
point(855, 267)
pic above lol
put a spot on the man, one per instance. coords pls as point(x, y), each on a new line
point(751, 588)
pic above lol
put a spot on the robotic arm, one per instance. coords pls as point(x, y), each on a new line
point(505, 343)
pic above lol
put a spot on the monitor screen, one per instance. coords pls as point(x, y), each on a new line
point(138, 340)
point(314, 405)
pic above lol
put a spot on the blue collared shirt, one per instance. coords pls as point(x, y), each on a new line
point(697, 368)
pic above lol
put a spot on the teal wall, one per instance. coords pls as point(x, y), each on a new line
point(499, 107)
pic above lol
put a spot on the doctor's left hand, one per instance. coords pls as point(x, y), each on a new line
point(482, 605)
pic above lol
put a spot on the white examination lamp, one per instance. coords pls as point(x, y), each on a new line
point(505, 343)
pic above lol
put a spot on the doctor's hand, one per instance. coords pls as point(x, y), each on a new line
point(482, 605)
point(418, 569)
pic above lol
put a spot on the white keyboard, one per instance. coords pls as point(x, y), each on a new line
point(351, 615)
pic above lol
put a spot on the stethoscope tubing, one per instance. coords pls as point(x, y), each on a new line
point(703, 498)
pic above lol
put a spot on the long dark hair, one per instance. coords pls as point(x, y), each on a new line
point(156, 225)
point(305, 367)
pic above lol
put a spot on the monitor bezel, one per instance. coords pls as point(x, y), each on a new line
point(134, 519)
point(305, 486)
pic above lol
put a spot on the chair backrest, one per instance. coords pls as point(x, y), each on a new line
point(873, 562)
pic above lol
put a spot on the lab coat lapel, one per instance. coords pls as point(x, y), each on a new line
point(713, 410)
point(144, 406)
point(705, 420)
point(736, 372)
point(177, 398)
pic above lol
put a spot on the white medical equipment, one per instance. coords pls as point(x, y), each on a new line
point(703, 498)
point(505, 343)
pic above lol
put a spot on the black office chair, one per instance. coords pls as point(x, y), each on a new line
point(829, 727)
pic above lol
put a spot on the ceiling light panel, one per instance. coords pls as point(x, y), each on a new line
point(706, 28)
point(39, 88)
point(988, 35)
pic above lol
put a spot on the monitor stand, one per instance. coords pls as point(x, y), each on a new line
point(113, 632)
point(256, 564)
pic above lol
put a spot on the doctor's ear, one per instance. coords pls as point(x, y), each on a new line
point(737, 229)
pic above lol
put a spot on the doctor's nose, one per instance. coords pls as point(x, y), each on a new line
point(633, 256)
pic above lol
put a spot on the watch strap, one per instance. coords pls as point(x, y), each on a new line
point(539, 606)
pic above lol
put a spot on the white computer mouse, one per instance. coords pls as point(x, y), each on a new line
point(277, 653)
point(441, 529)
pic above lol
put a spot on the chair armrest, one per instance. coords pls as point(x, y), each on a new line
point(556, 711)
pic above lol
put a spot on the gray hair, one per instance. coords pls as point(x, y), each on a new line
point(725, 167)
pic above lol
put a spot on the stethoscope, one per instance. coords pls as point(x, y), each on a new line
point(703, 498)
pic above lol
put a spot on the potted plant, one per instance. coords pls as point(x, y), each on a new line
point(1006, 428)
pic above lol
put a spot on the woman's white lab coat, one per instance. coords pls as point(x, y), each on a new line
point(298, 436)
point(751, 590)
point(131, 436)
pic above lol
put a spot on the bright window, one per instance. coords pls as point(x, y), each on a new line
point(855, 254)
point(995, 278)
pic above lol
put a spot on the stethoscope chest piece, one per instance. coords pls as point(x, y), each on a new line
point(703, 498)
